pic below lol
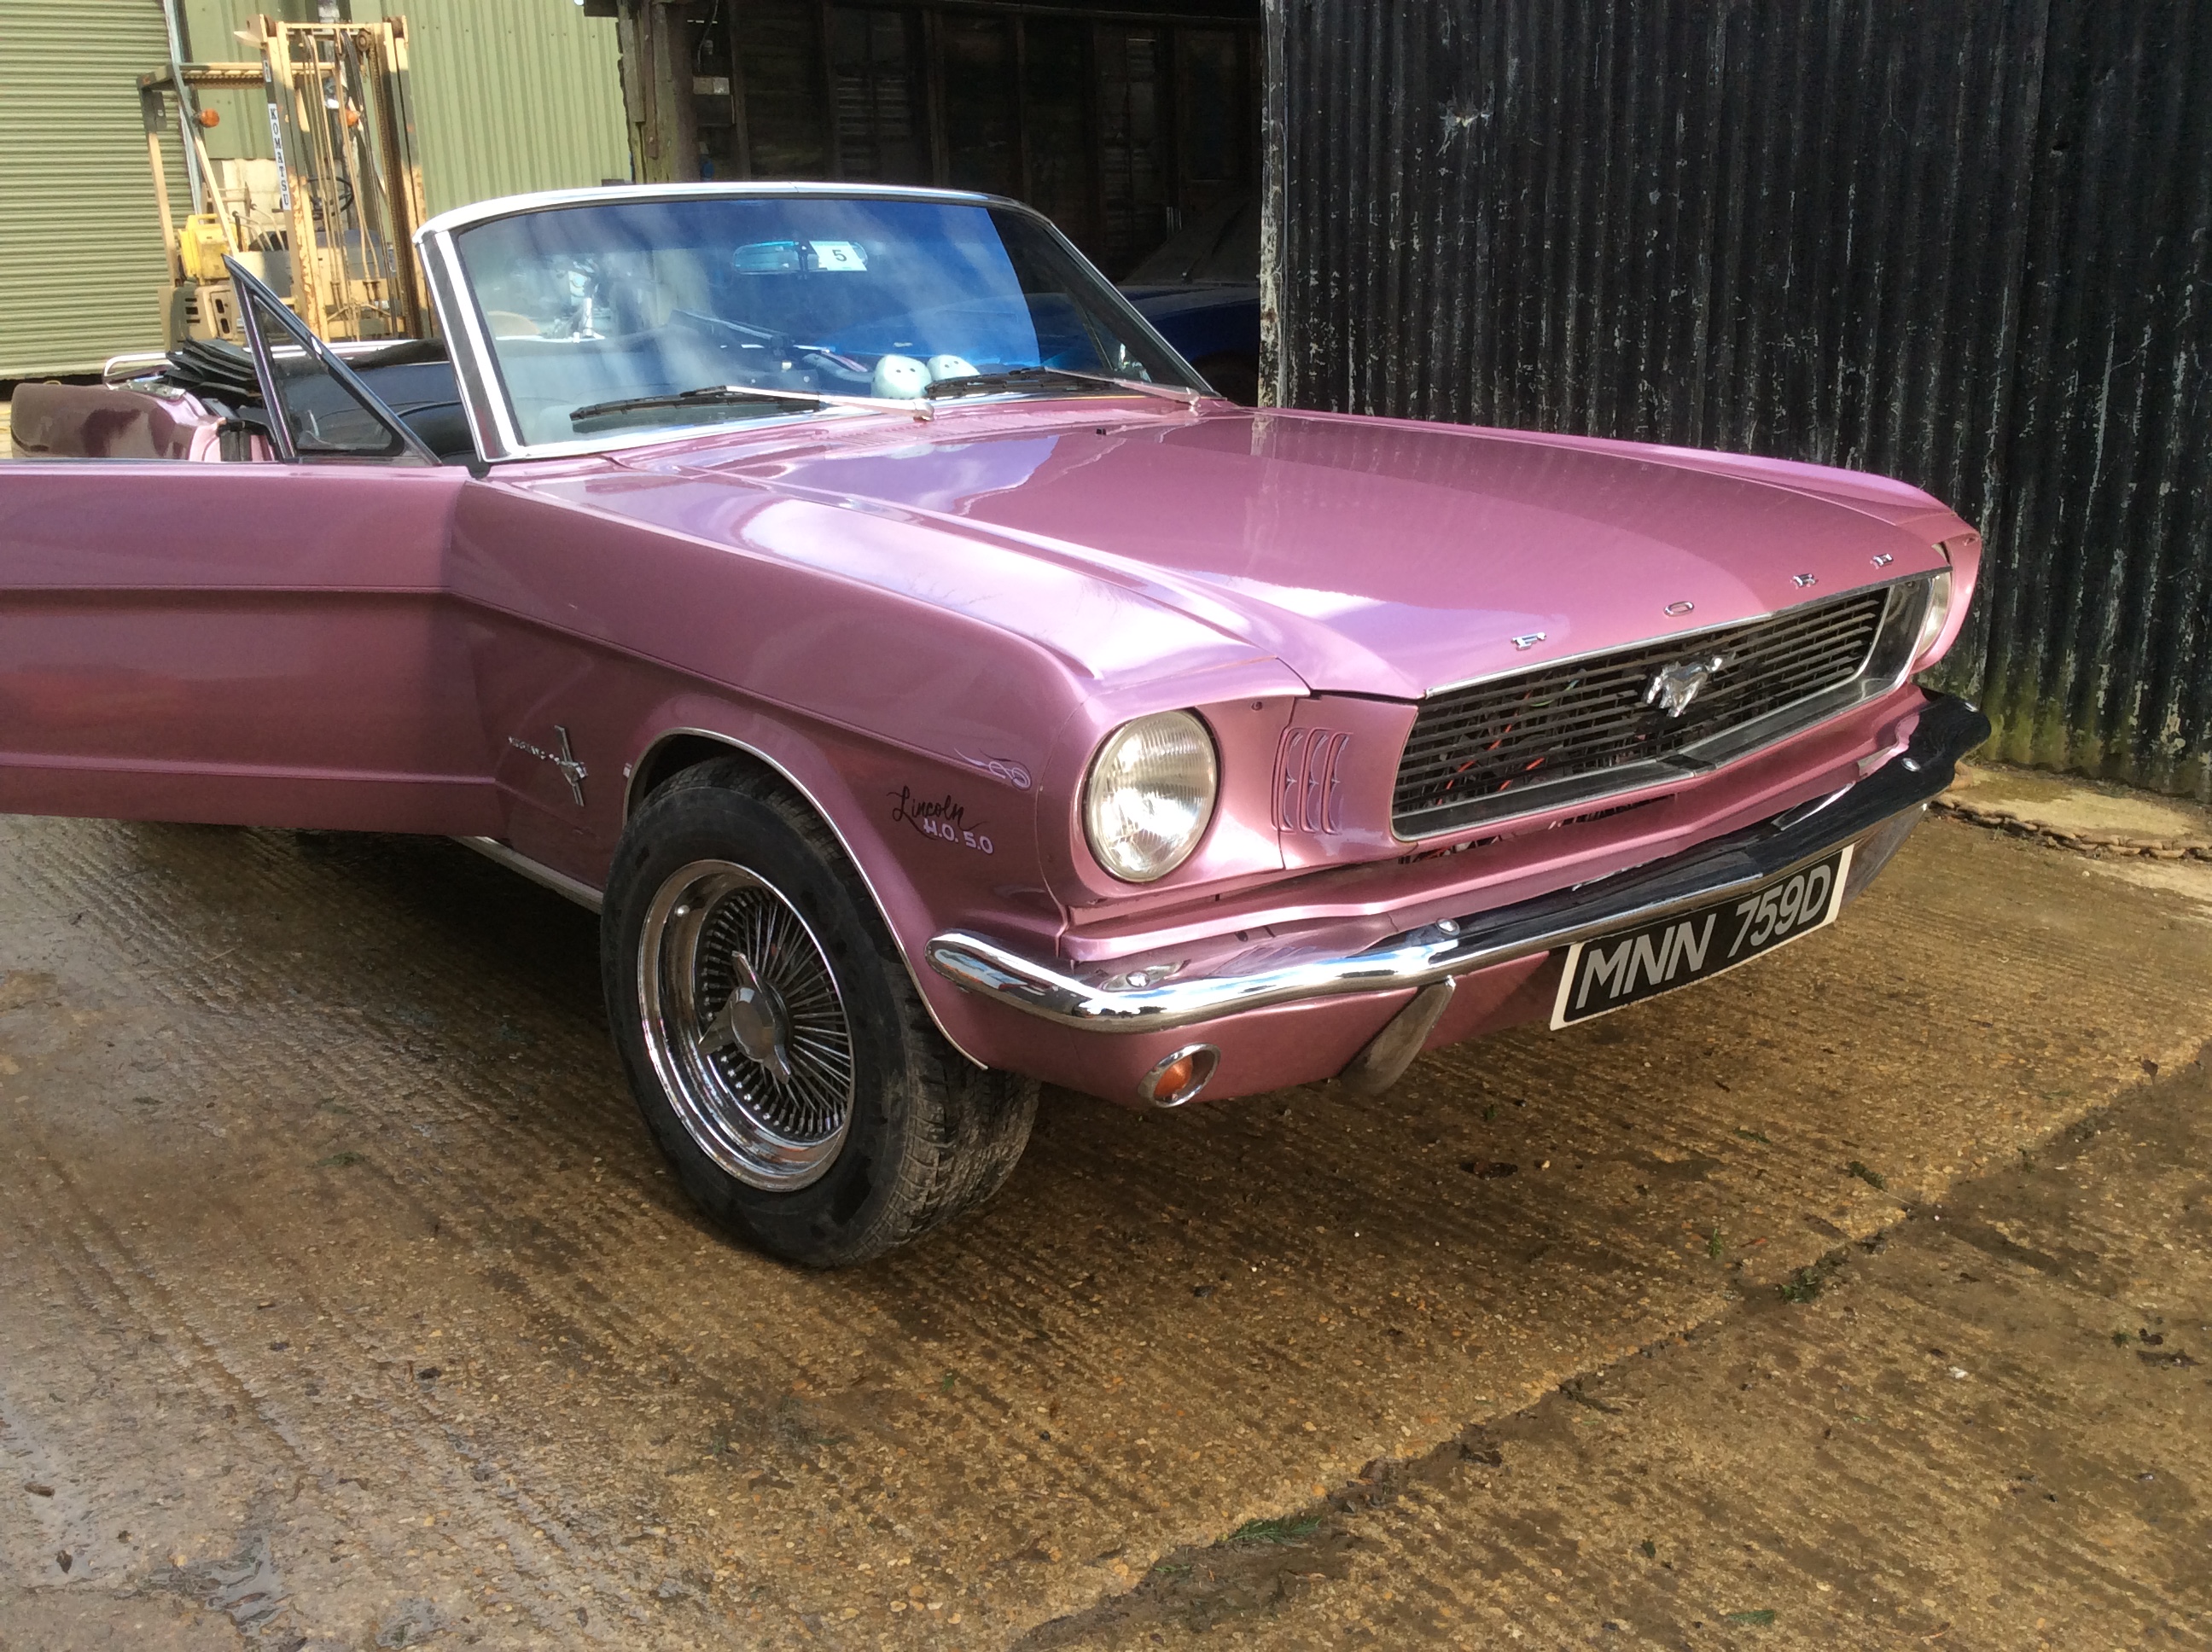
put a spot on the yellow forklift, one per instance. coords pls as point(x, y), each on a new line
point(329, 223)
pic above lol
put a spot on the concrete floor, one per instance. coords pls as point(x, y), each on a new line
point(344, 1305)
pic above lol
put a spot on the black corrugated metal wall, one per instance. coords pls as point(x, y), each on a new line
point(1964, 242)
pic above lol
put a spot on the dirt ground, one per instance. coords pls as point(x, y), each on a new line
point(1857, 1299)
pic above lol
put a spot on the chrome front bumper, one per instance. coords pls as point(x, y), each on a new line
point(1893, 794)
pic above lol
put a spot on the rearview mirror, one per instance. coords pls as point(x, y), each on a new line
point(798, 258)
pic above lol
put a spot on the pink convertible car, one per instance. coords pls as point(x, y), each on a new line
point(936, 688)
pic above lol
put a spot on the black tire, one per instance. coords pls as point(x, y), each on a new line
point(926, 1133)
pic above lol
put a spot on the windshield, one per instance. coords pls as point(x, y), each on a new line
point(597, 305)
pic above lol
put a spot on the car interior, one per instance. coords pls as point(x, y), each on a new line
point(414, 378)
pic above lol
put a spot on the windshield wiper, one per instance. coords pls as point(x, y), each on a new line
point(1042, 378)
point(726, 395)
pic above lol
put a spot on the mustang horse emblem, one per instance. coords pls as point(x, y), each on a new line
point(1674, 687)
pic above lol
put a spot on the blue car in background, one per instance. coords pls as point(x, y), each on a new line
point(1202, 289)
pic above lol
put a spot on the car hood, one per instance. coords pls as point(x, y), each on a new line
point(1370, 555)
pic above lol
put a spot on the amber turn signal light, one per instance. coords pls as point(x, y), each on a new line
point(1181, 1076)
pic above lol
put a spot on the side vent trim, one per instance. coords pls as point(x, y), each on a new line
point(1308, 794)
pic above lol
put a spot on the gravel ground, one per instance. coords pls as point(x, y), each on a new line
point(344, 1305)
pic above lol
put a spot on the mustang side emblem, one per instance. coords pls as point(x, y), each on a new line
point(1674, 687)
point(564, 760)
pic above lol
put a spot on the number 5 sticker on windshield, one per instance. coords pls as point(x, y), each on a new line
point(838, 255)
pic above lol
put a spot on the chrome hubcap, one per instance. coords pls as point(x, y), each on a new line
point(744, 1026)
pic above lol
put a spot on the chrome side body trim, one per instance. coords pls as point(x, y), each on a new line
point(1948, 728)
point(537, 872)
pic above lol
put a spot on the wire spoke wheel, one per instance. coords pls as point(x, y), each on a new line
point(745, 1025)
point(783, 1055)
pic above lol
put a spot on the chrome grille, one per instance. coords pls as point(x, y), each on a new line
point(1563, 732)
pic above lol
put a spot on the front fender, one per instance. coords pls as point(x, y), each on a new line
point(928, 836)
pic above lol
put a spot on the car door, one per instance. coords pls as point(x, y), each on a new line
point(262, 642)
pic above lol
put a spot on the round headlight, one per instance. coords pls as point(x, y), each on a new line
point(1934, 616)
point(1149, 795)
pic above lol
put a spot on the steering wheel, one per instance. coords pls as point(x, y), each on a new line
point(766, 338)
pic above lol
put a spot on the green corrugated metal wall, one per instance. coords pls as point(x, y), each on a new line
point(83, 240)
point(508, 95)
point(513, 95)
